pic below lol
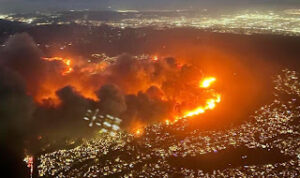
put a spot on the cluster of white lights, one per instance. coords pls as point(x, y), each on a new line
point(109, 124)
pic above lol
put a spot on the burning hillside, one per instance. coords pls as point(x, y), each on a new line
point(266, 145)
point(136, 89)
point(111, 100)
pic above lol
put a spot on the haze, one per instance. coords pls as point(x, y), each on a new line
point(13, 6)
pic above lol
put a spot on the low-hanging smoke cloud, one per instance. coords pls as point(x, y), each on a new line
point(54, 103)
point(121, 90)
point(134, 89)
point(112, 100)
point(16, 109)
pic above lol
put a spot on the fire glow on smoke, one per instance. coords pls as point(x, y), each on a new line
point(196, 94)
point(68, 69)
point(210, 103)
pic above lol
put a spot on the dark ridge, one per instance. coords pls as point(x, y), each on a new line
point(229, 158)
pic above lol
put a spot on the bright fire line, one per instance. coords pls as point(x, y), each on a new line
point(207, 82)
point(210, 103)
point(66, 61)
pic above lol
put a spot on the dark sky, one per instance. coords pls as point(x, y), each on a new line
point(32, 5)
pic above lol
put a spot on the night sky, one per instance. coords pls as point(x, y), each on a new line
point(51, 5)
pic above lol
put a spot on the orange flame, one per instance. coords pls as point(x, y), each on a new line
point(66, 61)
point(209, 105)
point(138, 132)
point(207, 82)
point(47, 94)
point(155, 58)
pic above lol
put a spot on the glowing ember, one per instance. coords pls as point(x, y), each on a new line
point(155, 58)
point(66, 61)
point(167, 122)
point(138, 132)
point(207, 82)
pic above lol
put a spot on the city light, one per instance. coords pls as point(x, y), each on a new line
point(267, 131)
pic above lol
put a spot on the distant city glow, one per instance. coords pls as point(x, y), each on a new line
point(284, 22)
point(151, 93)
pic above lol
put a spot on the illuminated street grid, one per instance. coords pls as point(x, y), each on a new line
point(273, 126)
point(286, 22)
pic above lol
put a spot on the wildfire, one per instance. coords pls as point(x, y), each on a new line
point(52, 86)
point(155, 58)
point(66, 61)
point(167, 122)
point(67, 77)
point(210, 103)
point(207, 82)
point(138, 132)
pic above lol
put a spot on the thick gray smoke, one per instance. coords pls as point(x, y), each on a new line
point(22, 55)
point(112, 100)
point(131, 89)
point(16, 110)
